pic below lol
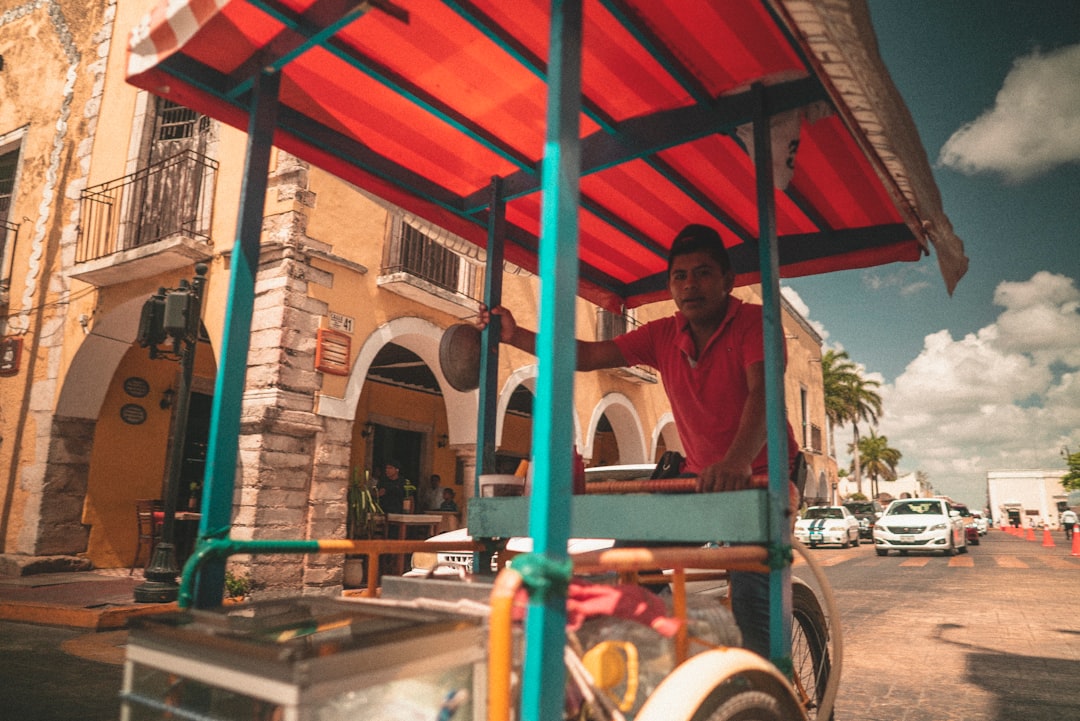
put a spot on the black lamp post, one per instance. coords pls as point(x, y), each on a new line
point(173, 313)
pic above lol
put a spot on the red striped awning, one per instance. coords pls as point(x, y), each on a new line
point(423, 102)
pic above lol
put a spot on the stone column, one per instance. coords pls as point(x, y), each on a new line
point(466, 453)
point(281, 437)
point(327, 503)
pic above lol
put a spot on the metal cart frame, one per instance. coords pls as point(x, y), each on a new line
point(551, 515)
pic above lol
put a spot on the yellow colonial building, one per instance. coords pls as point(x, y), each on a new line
point(109, 194)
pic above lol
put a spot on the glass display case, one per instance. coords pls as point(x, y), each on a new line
point(306, 659)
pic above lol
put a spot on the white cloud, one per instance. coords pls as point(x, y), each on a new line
point(804, 310)
point(1034, 125)
point(997, 398)
point(1007, 396)
point(908, 279)
point(914, 288)
point(1041, 317)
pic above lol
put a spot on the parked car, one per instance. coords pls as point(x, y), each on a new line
point(448, 563)
point(920, 524)
point(982, 523)
point(971, 526)
point(455, 563)
point(866, 513)
point(827, 524)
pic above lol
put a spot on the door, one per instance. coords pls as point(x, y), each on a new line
point(398, 444)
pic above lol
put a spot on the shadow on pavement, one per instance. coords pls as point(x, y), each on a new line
point(1034, 688)
point(1030, 688)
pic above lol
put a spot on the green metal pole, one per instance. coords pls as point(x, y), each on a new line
point(489, 340)
point(489, 356)
point(556, 350)
point(229, 387)
point(775, 409)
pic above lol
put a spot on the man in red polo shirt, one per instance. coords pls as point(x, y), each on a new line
point(710, 355)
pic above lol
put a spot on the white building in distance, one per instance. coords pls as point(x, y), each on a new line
point(1027, 498)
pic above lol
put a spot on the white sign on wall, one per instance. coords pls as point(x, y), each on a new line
point(341, 322)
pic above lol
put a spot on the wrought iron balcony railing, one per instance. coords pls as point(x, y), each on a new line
point(173, 197)
point(418, 267)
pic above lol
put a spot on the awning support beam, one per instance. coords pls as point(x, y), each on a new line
point(556, 352)
point(489, 339)
point(222, 451)
point(775, 409)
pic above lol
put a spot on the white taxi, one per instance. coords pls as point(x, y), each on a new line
point(827, 524)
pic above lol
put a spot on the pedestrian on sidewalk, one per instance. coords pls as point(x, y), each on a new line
point(1068, 522)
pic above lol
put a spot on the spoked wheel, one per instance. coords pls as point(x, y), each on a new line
point(810, 656)
point(730, 684)
point(744, 705)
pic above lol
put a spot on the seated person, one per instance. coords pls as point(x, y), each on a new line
point(448, 503)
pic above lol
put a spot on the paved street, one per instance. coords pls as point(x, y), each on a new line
point(992, 635)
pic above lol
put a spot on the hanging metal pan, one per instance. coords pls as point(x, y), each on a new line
point(459, 356)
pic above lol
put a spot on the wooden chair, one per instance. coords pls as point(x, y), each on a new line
point(149, 513)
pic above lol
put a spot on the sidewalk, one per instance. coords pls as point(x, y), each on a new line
point(104, 599)
point(97, 600)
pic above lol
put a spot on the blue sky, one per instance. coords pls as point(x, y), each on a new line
point(988, 379)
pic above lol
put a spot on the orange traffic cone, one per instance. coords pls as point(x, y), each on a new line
point(1048, 540)
point(1031, 533)
point(1076, 541)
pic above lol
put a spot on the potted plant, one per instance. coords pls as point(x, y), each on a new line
point(364, 516)
point(237, 587)
point(194, 494)
point(409, 502)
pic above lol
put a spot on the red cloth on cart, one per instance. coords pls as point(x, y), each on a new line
point(586, 600)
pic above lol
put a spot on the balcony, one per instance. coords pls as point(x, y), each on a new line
point(424, 270)
point(152, 221)
point(612, 325)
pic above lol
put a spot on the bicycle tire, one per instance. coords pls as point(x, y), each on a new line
point(810, 656)
point(705, 688)
point(741, 705)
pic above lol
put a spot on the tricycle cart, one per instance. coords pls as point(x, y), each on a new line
point(573, 138)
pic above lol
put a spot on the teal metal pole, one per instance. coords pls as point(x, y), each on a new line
point(218, 549)
point(229, 387)
point(775, 410)
point(489, 355)
point(489, 340)
point(544, 673)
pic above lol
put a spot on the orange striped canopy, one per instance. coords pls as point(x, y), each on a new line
point(424, 102)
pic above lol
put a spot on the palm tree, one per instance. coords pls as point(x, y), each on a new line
point(848, 398)
point(922, 480)
point(837, 373)
point(877, 459)
point(1071, 480)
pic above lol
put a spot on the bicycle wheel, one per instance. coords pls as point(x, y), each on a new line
point(730, 684)
point(743, 705)
point(810, 656)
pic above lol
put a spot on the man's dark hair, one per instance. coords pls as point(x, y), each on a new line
point(699, 239)
point(392, 462)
